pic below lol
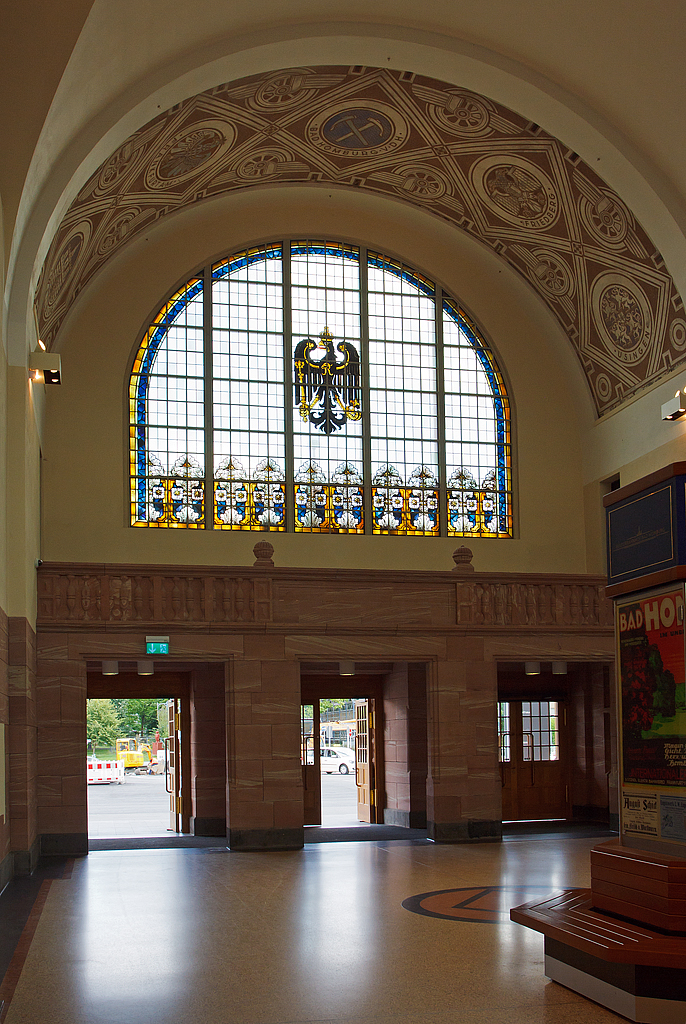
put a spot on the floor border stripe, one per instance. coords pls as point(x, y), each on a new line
point(11, 979)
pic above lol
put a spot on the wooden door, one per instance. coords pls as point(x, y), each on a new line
point(369, 763)
point(310, 753)
point(531, 752)
point(364, 763)
point(172, 771)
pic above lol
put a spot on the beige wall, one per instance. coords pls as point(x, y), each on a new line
point(635, 440)
point(629, 443)
point(85, 500)
point(23, 494)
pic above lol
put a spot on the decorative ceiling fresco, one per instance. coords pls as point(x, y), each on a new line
point(459, 155)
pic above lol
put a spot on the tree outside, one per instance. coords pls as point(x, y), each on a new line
point(102, 722)
point(137, 715)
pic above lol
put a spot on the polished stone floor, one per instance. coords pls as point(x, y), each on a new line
point(213, 937)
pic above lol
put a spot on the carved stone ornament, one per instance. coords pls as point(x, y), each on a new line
point(263, 552)
point(462, 557)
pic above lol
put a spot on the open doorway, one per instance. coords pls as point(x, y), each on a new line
point(138, 739)
point(342, 749)
point(339, 762)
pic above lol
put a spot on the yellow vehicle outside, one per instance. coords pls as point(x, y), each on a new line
point(133, 752)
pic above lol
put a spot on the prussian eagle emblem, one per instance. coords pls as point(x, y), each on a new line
point(327, 382)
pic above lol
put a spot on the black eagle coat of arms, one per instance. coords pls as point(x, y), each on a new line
point(327, 382)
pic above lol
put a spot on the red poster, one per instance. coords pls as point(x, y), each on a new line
point(653, 702)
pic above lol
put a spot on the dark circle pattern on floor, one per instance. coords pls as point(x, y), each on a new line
point(489, 904)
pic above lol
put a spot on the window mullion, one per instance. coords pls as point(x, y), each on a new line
point(288, 386)
point(208, 385)
point(365, 393)
point(440, 409)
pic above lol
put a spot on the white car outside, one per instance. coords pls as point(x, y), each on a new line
point(336, 759)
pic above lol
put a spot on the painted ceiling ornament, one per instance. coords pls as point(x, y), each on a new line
point(623, 316)
point(190, 150)
point(517, 190)
point(421, 182)
point(327, 382)
point(358, 131)
point(483, 168)
point(65, 262)
point(279, 92)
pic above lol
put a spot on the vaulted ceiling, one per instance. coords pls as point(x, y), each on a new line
point(458, 155)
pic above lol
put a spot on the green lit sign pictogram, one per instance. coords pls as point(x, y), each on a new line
point(157, 645)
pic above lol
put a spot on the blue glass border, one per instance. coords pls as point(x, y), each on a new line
point(401, 272)
point(485, 360)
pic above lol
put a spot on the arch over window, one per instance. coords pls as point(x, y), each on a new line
point(318, 387)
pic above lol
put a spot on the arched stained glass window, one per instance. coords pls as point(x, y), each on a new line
point(320, 388)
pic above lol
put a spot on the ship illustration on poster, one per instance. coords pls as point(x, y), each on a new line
point(652, 671)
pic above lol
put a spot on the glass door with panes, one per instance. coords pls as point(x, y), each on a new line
point(365, 811)
point(531, 755)
point(310, 753)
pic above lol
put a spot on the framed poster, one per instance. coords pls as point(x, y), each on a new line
point(652, 714)
point(646, 525)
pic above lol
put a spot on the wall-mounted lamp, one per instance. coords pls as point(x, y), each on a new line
point(346, 668)
point(45, 367)
point(146, 668)
point(675, 408)
point(559, 668)
point(532, 668)
point(110, 668)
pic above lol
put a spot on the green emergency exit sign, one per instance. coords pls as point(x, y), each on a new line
point(157, 645)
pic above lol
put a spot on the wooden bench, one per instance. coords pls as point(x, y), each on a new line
point(632, 969)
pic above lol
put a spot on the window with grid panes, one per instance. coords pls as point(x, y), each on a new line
point(318, 387)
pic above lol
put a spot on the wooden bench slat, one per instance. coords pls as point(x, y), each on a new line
point(569, 918)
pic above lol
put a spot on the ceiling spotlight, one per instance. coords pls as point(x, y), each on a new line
point(110, 668)
point(559, 668)
point(532, 668)
point(146, 668)
point(346, 668)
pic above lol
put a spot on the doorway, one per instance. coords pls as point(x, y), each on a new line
point(342, 752)
point(532, 765)
point(557, 744)
point(139, 766)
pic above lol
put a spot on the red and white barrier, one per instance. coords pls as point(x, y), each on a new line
point(105, 771)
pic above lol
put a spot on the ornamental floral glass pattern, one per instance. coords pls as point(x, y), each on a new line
point(349, 394)
point(166, 400)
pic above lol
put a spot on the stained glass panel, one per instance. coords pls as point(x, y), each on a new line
point(305, 407)
point(477, 433)
point(166, 398)
point(327, 420)
point(402, 399)
point(248, 391)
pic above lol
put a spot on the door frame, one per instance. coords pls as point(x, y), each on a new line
point(517, 765)
point(314, 688)
point(159, 686)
